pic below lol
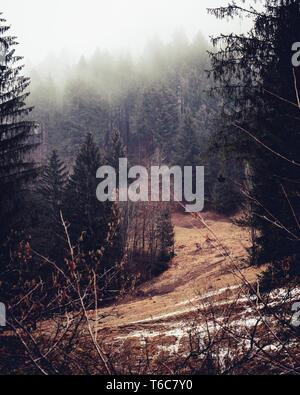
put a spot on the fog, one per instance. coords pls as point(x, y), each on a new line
point(78, 27)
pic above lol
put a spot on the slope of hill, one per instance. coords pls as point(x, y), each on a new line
point(198, 316)
point(194, 271)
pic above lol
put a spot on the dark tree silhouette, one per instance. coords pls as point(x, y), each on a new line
point(254, 74)
point(16, 133)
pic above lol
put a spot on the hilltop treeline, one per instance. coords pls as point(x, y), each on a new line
point(160, 103)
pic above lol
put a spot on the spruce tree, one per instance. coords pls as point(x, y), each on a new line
point(16, 141)
point(17, 273)
point(167, 119)
point(52, 184)
point(51, 191)
point(187, 151)
point(157, 121)
point(145, 122)
point(83, 211)
point(188, 147)
point(91, 221)
point(116, 150)
point(165, 235)
point(254, 73)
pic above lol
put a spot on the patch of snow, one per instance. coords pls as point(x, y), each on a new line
point(208, 295)
point(181, 329)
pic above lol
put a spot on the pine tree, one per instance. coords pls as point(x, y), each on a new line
point(187, 147)
point(82, 209)
point(91, 221)
point(17, 274)
point(84, 109)
point(157, 120)
point(116, 150)
point(16, 167)
point(187, 151)
point(52, 184)
point(254, 73)
point(51, 191)
point(145, 122)
point(167, 119)
point(224, 198)
point(165, 235)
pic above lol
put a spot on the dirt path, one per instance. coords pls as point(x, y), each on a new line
point(192, 273)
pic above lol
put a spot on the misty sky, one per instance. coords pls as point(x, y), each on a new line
point(78, 27)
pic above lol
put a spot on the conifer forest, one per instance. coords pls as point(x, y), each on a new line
point(149, 190)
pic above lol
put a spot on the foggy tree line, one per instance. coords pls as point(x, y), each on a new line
point(160, 109)
point(160, 103)
point(61, 249)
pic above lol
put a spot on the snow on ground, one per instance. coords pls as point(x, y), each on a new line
point(247, 318)
point(173, 306)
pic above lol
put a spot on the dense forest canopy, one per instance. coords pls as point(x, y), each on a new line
point(107, 92)
point(180, 103)
point(146, 99)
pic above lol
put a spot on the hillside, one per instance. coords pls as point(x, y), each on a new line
point(197, 307)
point(192, 273)
point(197, 317)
